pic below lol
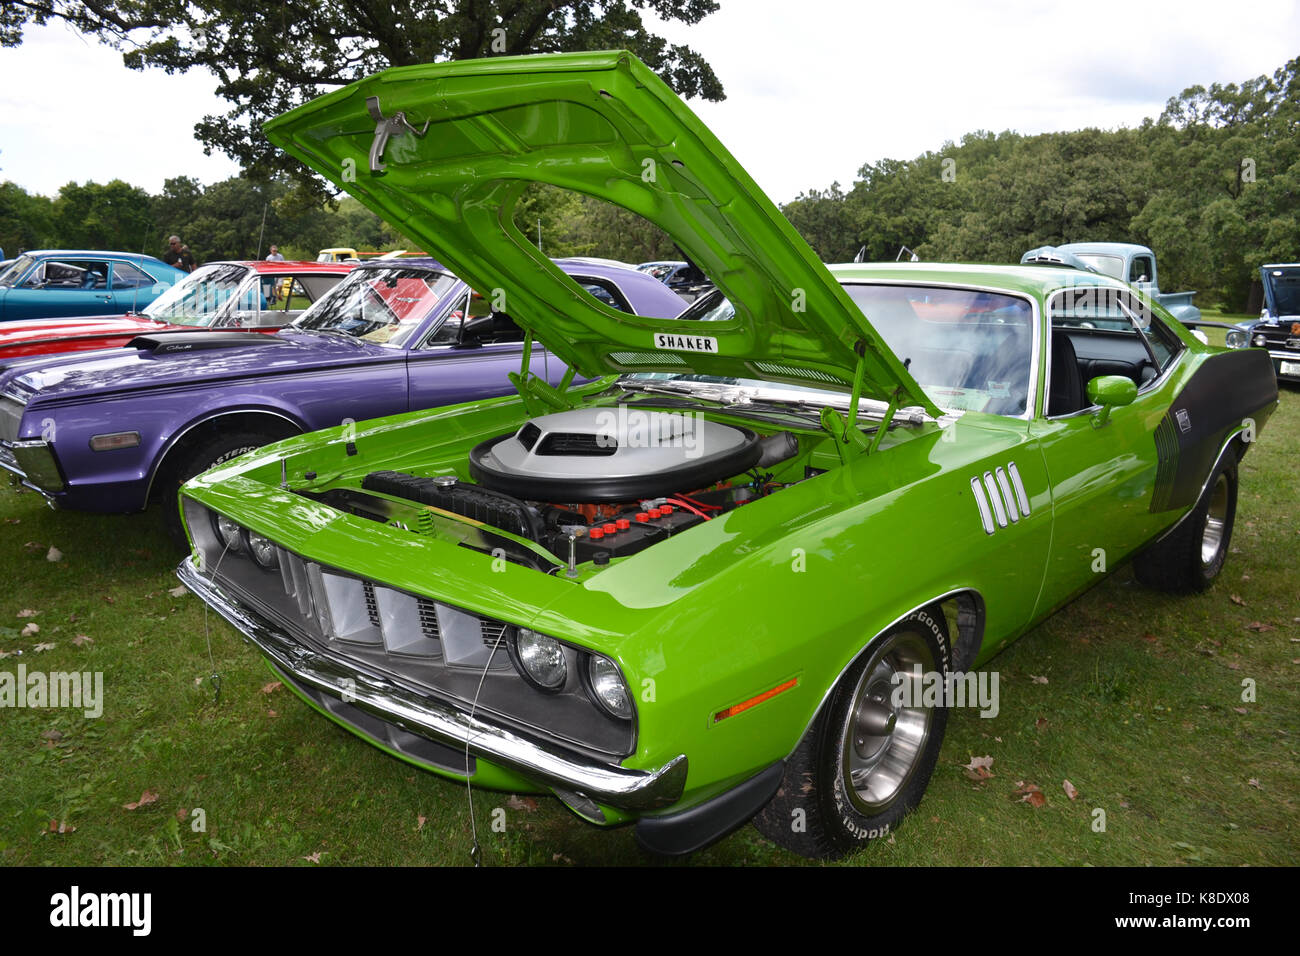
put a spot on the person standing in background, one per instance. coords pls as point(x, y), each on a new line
point(178, 255)
point(275, 255)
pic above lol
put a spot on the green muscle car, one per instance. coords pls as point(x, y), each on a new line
point(709, 585)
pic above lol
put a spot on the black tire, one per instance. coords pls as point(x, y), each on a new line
point(844, 785)
point(1188, 560)
point(210, 453)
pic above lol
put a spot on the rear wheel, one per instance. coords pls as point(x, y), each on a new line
point(867, 759)
point(1191, 557)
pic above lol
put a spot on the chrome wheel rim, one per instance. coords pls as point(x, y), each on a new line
point(1216, 519)
point(887, 728)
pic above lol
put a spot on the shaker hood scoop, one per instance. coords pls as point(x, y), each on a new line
point(445, 151)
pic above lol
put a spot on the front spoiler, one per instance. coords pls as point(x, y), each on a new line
point(613, 786)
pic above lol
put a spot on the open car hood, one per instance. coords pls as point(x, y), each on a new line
point(605, 125)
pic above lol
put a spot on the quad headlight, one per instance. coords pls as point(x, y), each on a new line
point(608, 689)
point(230, 533)
point(239, 539)
point(540, 659)
point(262, 550)
point(1236, 339)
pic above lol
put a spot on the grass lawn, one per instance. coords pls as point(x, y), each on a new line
point(1134, 697)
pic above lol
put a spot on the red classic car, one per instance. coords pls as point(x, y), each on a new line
point(254, 294)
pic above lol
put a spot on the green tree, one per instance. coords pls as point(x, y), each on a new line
point(268, 58)
point(115, 215)
point(25, 220)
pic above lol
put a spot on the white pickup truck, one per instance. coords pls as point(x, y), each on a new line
point(1121, 260)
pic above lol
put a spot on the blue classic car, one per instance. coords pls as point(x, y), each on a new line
point(53, 283)
point(1278, 326)
point(105, 431)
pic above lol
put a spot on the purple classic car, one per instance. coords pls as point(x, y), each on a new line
point(108, 431)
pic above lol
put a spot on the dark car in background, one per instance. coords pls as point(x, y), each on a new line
point(107, 431)
point(684, 278)
point(1278, 326)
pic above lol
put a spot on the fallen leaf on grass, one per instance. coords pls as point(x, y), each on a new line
point(179, 591)
point(527, 804)
point(1149, 637)
point(1252, 782)
point(81, 640)
point(1070, 790)
point(272, 687)
point(57, 827)
point(146, 798)
point(31, 547)
point(313, 857)
point(560, 858)
point(1236, 599)
point(1040, 723)
point(1037, 680)
point(181, 814)
point(978, 768)
point(271, 713)
point(48, 646)
point(27, 612)
point(420, 821)
point(30, 629)
point(51, 734)
point(54, 554)
point(1241, 710)
point(1029, 793)
point(1259, 626)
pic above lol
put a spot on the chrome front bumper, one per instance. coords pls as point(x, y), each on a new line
point(33, 463)
point(543, 763)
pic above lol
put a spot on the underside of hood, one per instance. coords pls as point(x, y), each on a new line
point(446, 151)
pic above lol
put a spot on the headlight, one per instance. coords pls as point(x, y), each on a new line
point(262, 550)
point(1260, 341)
point(1235, 339)
point(608, 688)
point(231, 534)
point(540, 659)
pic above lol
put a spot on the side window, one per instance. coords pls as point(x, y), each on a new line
point(449, 331)
point(127, 276)
point(1164, 345)
point(1100, 331)
point(605, 293)
point(1141, 269)
point(75, 274)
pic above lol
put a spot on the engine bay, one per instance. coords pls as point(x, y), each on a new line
point(586, 485)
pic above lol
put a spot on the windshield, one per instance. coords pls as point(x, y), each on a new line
point(384, 306)
point(200, 298)
point(1285, 286)
point(15, 271)
point(1112, 266)
point(968, 350)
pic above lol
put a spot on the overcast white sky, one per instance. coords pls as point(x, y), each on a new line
point(815, 88)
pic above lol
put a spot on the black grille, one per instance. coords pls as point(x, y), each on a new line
point(528, 436)
point(372, 606)
point(429, 619)
point(578, 444)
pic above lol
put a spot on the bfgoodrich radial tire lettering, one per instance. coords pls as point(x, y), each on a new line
point(866, 761)
point(209, 454)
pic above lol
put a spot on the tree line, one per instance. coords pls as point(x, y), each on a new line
point(1212, 185)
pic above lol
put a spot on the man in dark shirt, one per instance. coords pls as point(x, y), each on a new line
point(178, 255)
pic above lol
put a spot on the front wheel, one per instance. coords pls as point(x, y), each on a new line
point(215, 451)
point(1191, 557)
point(867, 759)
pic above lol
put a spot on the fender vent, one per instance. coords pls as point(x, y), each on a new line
point(1000, 497)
